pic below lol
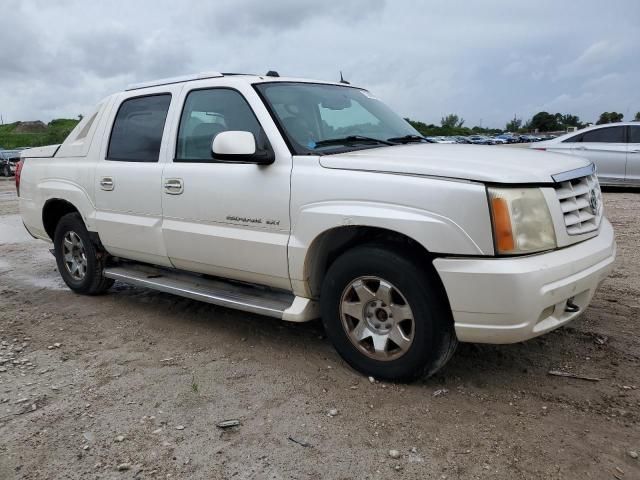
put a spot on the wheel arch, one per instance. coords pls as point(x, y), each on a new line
point(52, 211)
point(330, 244)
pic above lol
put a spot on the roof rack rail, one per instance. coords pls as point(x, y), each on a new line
point(169, 81)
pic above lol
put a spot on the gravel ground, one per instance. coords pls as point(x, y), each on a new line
point(132, 384)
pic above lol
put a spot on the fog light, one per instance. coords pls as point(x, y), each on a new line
point(546, 313)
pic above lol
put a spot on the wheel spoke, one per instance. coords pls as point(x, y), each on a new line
point(68, 245)
point(384, 293)
point(364, 293)
point(361, 331)
point(379, 342)
point(401, 312)
point(353, 309)
point(397, 336)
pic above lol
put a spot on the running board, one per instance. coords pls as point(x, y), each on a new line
point(248, 298)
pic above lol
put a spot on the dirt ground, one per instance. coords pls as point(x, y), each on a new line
point(138, 380)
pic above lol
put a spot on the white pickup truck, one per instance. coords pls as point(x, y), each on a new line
point(300, 199)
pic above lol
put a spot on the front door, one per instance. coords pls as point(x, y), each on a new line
point(607, 148)
point(226, 219)
point(128, 179)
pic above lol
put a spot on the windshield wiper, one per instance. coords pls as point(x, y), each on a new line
point(408, 139)
point(350, 139)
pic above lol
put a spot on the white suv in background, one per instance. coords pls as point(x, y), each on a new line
point(614, 148)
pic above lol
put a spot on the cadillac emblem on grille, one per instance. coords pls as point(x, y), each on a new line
point(593, 201)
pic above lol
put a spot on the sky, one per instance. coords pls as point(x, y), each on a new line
point(485, 61)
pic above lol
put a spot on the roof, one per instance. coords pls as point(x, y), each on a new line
point(205, 75)
point(168, 81)
point(591, 127)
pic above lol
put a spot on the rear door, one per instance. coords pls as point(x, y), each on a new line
point(129, 174)
point(633, 156)
point(607, 148)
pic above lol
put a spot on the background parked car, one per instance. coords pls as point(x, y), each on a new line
point(8, 161)
point(440, 140)
point(508, 138)
point(614, 148)
point(481, 140)
point(530, 138)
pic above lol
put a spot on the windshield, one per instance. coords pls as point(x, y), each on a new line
point(322, 119)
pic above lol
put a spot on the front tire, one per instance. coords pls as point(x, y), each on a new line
point(385, 315)
point(6, 171)
point(80, 263)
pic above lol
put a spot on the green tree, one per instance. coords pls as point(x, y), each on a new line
point(452, 121)
point(569, 120)
point(637, 117)
point(514, 125)
point(544, 122)
point(609, 117)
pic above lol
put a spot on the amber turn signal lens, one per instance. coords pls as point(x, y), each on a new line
point(502, 225)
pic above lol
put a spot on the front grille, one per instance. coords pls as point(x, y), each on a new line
point(581, 203)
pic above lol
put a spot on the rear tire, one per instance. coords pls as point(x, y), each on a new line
point(385, 315)
point(80, 263)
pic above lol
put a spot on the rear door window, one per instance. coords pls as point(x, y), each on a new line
point(634, 134)
point(137, 130)
point(605, 135)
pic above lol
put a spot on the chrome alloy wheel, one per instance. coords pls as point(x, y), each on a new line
point(75, 258)
point(377, 318)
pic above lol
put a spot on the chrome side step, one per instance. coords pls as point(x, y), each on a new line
point(254, 299)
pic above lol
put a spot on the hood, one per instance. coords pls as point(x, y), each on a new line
point(468, 162)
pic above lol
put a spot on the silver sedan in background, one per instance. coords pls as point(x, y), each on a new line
point(613, 147)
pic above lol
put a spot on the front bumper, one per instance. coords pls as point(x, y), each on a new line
point(508, 300)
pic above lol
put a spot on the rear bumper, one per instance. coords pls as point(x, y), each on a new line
point(508, 300)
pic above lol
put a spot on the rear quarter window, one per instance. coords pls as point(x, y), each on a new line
point(574, 139)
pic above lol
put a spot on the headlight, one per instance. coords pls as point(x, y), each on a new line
point(521, 220)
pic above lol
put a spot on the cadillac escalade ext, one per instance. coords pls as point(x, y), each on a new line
point(300, 199)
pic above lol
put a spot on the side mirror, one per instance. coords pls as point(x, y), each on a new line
point(239, 146)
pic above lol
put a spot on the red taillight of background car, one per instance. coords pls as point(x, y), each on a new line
point(539, 148)
point(18, 172)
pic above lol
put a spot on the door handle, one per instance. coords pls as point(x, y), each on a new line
point(580, 148)
point(106, 183)
point(173, 186)
point(634, 151)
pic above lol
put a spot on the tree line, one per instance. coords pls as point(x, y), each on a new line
point(453, 124)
